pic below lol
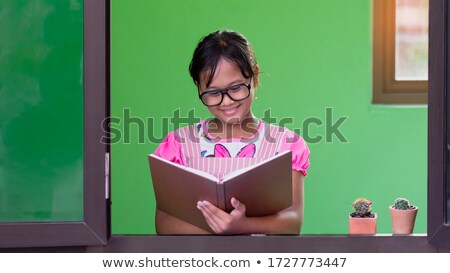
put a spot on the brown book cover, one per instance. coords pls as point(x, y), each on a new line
point(265, 188)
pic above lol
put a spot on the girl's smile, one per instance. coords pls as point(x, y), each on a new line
point(230, 111)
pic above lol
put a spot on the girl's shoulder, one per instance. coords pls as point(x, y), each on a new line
point(282, 133)
point(289, 140)
point(170, 148)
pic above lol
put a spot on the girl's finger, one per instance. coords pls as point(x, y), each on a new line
point(215, 213)
point(211, 223)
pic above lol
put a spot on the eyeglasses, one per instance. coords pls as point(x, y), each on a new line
point(236, 93)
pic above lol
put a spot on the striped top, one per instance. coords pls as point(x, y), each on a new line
point(193, 146)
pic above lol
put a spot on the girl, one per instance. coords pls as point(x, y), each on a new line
point(225, 71)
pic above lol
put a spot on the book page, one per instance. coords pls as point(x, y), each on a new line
point(238, 172)
point(191, 170)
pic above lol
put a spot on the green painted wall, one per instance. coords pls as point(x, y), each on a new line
point(313, 55)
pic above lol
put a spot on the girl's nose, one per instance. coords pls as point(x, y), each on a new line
point(227, 100)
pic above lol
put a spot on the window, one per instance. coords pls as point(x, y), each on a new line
point(400, 51)
point(93, 227)
point(438, 128)
point(40, 223)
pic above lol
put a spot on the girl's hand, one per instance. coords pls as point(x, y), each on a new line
point(220, 221)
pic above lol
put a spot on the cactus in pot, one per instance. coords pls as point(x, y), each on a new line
point(362, 220)
point(403, 216)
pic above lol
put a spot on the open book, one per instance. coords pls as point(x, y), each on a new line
point(265, 188)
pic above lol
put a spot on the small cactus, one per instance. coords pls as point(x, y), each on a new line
point(402, 204)
point(362, 205)
point(362, 208)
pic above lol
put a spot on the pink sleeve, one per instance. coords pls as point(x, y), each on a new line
point(300, 152)
point(170, 149)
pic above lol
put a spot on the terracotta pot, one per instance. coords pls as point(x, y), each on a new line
point(366, 226)
point(403, 220)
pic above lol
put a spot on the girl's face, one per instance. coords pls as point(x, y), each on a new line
point(229, 111)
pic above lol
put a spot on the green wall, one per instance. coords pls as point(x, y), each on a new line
point(314, 55)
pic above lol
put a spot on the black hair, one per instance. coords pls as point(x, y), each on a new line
point(227, 44)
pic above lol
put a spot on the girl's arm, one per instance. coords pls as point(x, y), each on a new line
point(288, 221)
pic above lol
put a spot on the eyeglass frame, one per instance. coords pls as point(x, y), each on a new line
point(225, 92)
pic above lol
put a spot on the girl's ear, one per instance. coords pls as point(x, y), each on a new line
point(255, 76)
